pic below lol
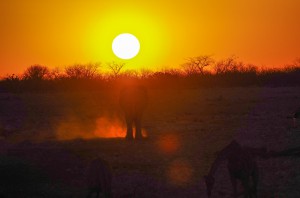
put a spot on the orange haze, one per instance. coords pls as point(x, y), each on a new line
point(104, 128)
point(59, 33)
point(180, 172)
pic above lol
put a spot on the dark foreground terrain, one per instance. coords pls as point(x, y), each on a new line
point(47, 140)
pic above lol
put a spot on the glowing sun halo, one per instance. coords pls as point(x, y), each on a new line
point(126, 46)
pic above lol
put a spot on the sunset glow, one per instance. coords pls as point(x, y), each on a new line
point(59, 33)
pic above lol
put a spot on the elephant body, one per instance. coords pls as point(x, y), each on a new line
point(133, 101)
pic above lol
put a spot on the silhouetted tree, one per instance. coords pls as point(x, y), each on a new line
point(297, 62)
point(79, 71)
point(225, 72)
point(197, 64)
point(11, 83)
point(228, 65)
point(222, 66)
point(55, 74)
point(36, 72)
point(294, 67)
point(145, 73)
point(12, 78)
point(115, 67)
point(130, 73)
point(248, 68)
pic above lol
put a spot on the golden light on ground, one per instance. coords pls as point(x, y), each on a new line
point(180, 172)
point(169, 143)
point(104, 127)
point(144, 133)
point(126, 46)
point(109, 128)
point(112, 128)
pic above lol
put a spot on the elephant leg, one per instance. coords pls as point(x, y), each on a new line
point(245, 183)
point(255, 178)
point(233, 182)
point(129, 132)
point(138, 128)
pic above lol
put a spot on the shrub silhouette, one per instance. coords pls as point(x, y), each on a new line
point(36, 72)
point(79, 71)
point(197, 72)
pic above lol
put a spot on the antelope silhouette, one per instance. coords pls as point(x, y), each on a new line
point(99, 178)
point(241, 166)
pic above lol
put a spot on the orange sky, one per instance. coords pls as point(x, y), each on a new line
point(53, 33)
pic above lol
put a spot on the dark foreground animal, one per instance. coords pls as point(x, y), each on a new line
point(241, 166)
point(133, 101)
point(295, 116)
point(99, 179)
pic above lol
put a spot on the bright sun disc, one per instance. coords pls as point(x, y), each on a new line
point(126, 46)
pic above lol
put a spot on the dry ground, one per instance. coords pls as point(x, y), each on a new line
point(47, 145)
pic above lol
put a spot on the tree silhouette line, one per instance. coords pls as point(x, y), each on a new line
point(196, 72)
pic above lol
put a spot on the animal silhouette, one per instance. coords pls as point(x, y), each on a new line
point(99, 178)
point(295, 116)
point(241, 166)
point(133, 101)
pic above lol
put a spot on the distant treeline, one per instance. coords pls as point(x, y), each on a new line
point(196, 72)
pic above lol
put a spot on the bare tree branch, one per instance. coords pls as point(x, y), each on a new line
point(79, 71)
point(197, 64)
point(115, 67)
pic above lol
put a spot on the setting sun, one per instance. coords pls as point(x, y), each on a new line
point(52, 33)
point(126, 46)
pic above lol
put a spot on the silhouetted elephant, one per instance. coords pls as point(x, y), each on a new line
point(99, 178)
point(133, 100)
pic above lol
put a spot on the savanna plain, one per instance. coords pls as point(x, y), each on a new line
point(48, 139)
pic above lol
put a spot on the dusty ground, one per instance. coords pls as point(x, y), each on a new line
point(47, 143)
